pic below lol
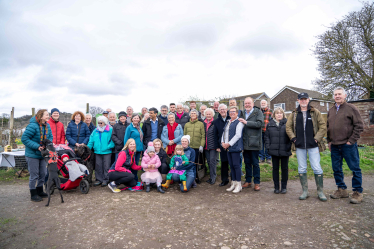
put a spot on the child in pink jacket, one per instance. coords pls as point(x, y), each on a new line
point(150, 164)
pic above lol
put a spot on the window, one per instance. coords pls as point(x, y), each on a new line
point(371, 116)
point(322, 103)
point(281, 105)
point(297, 104)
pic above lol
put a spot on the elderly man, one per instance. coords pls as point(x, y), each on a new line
point(201, 115)
point(129, 111)
point(152, 127)
point(306, 128)
point(118, 133)
point(219, 123)
point(172, 108)
point(112, 117)
point(216, 110)
point(186, 109)
point(266, 112)
point(344, 125)
point(232, 102)
point(164, 114)
point(88, 121)
point(105, 114)
point(253, 120)
point(180, 116)
point(108, 110)
point(144, 111)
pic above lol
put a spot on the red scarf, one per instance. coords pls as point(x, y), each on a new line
point(171, 129)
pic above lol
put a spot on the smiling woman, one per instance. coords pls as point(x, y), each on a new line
point(77, 132)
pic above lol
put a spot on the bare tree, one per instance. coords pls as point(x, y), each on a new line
point(345, 53)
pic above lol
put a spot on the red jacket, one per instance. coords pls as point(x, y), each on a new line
point(58, 131)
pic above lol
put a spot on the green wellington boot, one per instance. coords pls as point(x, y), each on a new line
point(319, 183)
point(304, 185)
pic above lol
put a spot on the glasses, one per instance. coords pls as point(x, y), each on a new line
point(100, 123)
point(232, 111)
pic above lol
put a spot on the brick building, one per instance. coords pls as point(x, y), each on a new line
point(366, 109)
point(287, 99)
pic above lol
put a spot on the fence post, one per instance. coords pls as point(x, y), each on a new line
point(32, 112)
point(88, 108)
point(11, 126)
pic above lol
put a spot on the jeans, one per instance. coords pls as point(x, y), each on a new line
point(37, 169)
point(189, 181)
point(137, 158)
point(252, 167)
point(264, 153)
point(314, 159)
point(351, 156)
point(284, 166)
point(236, 172)
point(211, 157)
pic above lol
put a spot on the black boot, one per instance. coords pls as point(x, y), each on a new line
point(34, 195)
point(40, 192)
point(284, 187)
point(159, 189)
point(147, 188)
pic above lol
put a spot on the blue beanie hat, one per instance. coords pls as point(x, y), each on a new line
point(54, 110)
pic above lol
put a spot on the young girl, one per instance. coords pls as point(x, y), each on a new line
point(176, 161)
point(150, 164)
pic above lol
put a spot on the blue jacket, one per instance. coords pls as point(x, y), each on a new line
point(31, 138)
point(101, 142)
point(72, 133)
point(178, 134)
point(190, 168)
point(132, 132)
point(91, 128)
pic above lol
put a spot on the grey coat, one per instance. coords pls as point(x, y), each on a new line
point(252, 131)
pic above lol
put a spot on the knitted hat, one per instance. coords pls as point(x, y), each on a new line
point(55, 110)
point(63, 156)
point(102, 119)
point(122, 113)
point(186, 137)
point(150, 147)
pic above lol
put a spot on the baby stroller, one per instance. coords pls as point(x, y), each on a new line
point(66, 183)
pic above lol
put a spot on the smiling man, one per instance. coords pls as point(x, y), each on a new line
point(344, 125)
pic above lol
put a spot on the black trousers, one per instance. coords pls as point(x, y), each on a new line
point(224, 171)
point(122, 178)
point(199, 159)
point(284, 167)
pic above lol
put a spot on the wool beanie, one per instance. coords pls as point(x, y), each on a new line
point(150, 147)
point(54, 110)
point(186, 137)
point(122, 113)
point(63, 156)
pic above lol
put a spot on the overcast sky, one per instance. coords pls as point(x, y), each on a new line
point(65, 54)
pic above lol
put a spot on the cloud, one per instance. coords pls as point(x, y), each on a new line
point(268, 40)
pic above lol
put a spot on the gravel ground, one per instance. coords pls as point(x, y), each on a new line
point(206, 217)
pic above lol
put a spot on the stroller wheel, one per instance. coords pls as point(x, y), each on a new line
point(52, 189)
point(84, 186)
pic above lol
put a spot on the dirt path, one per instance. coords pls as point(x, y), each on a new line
point(206, 217)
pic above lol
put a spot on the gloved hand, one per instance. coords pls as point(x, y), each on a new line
point(201, 149)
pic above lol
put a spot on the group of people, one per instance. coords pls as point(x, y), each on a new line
point(176, 141)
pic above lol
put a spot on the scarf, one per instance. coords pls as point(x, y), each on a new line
point(170, 148)
point(139, 130)
point(180, 115)
point(101, 129)
point(43, 135)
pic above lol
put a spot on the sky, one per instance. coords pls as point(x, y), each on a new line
point(113, 54)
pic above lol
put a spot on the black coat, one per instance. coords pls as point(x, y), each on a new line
point(219, 124)
point(183, 120)
point(276, 139)
point(147, 130)
point(210, 138)
point(118, 135)
point(164, 168)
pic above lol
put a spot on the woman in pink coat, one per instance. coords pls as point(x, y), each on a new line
point(150, 164)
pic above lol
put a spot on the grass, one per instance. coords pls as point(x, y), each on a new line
point(7, 222)
point(366, 164)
